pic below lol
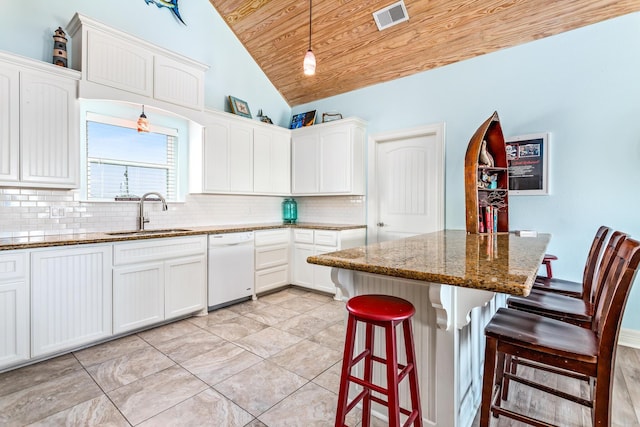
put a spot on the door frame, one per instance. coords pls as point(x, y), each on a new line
point(436, 130)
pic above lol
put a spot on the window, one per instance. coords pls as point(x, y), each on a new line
point(124, 163)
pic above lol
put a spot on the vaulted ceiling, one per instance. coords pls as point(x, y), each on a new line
point(351, 53)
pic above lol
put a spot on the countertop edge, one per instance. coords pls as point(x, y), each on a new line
point(43, 241)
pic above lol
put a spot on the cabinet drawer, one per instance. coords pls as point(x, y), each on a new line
point(303, 235)
point(271, 237)
point(270, 256)
point(326, 238)
point(12, 266)
point(271, 278)
point(158, 249)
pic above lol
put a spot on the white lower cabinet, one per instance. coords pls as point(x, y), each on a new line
point(271, 259)
point(14, 309)
point(308, 242)
point(71, 299)
point(158, 280)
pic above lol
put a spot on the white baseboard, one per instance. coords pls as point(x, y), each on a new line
point(629, 338)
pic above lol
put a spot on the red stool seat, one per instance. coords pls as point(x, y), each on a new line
point(386, 312)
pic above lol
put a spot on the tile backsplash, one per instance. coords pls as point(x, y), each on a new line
point(29, 212)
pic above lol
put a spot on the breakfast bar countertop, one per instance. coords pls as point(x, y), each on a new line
point(39, 240)
point(501, 262)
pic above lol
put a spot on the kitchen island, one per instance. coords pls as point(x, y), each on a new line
point(456, 281)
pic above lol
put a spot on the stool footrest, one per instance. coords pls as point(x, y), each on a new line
point(369, 385)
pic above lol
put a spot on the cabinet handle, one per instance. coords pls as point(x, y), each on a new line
point(381, 224)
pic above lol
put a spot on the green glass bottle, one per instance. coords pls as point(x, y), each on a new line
point(289, 211)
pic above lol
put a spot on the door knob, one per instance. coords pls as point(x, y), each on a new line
point(380, 224)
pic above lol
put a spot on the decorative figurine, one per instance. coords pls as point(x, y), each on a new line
point(264, 119)
point(485, 158)
point(59, 48)
point(171, 5)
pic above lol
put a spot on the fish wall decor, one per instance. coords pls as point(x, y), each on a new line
point(171, 5)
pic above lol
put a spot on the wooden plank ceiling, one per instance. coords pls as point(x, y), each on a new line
point(351, 53)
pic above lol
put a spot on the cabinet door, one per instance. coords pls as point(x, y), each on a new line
point(322, 274)
point(185, 286)
point(70, 298)
point(240, 158)
point(304, 164)
point(272, 165)
point(14, 322)
point(335, 160)
point(48, 130)
point(216, 157)
point(138, 296)
point(9, 124)
point(118, 63)
point(302, 270)
point(178, 83)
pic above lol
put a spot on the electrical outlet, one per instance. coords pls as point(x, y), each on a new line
point(56, 212)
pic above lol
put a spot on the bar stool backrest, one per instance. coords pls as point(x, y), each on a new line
point(606, 263)
point(593, 259)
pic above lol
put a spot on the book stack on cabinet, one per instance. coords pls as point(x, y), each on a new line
point(487, 180)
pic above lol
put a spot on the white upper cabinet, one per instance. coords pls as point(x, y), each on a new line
point(39, 134)
point(243, 156)
point(116, 65)
point(328, 159)
point(271, 160)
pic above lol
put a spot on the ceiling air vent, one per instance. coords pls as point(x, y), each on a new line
point(391, 15)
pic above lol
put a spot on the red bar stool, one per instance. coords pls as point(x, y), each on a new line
point(386, 312)
point(547, 263)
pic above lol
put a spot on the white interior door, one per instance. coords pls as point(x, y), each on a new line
point(406, 178)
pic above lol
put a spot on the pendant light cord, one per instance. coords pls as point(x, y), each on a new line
point(310, 1)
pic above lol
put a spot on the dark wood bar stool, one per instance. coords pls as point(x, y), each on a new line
point(546, 261)
point(575, 289)
point(578, 311)
point(562, 347)
point(386, 312)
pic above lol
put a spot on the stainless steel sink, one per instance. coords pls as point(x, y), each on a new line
point(147, 232)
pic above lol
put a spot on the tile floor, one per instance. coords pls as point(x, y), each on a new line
point(271, 362)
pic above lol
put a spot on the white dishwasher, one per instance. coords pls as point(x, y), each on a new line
point(231, 268)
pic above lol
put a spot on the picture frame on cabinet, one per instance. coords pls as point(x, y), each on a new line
point(528, 162)
point(303, 119)
point(239, 107)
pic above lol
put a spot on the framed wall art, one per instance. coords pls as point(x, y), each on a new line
point(239, 107)
point(303, 119)
point(528, 160)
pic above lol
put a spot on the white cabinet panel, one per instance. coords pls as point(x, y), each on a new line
point(71, 297)
point(114, 62)
point(215, 156)
point(329, 158)
point(271, 259)
point(14, 309)
point(185, 287)
point(178, 83)
point(39, 132)
point(48, 130)
point(157, 280)
point(9, 123)
point(308, 242)
point(138, 296)
point(240, 158)
point(271, 161)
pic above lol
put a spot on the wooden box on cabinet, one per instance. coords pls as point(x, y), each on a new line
point(487, 199)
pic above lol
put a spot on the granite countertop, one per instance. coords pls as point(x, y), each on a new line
point(40, 241)
point(502, 262)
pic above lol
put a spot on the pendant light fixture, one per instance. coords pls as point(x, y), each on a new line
point(309, 64)
point(143, 122)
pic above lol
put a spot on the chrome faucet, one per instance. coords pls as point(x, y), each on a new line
point(141, 218)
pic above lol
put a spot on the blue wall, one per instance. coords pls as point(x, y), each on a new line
point(581, 86)
point(28, 25)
